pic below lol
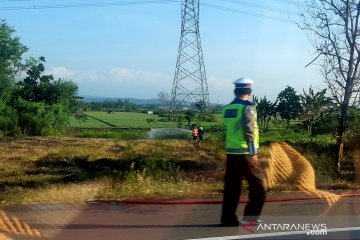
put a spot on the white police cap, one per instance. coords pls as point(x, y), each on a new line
point(243, 82)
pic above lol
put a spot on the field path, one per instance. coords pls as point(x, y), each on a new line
point(100, 120)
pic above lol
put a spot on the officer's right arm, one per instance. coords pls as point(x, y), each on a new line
point(248, 123)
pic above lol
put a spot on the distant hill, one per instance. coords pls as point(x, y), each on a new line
point(137, 101)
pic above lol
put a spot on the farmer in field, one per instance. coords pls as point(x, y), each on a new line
point(195, 133)
point(201, 133)
point(242, 143)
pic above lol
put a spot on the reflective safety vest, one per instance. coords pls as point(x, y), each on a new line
point(234, 128)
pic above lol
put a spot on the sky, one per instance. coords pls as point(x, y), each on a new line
point(129, 47)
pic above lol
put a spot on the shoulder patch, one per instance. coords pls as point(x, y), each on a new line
point(230, 113)
point(249, 110)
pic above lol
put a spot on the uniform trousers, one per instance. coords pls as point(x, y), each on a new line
point(237, 168)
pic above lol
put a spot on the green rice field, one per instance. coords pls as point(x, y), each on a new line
point(120, 120)
point(97, 119)
point(124, 120)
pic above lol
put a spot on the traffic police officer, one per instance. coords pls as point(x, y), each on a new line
point(242, 143)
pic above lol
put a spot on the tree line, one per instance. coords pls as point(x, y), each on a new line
point(31, 102)
point(314, 111)
point(118, 105)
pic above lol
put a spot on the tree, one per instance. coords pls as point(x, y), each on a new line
point(42, 104)
point(289, 106)
point(189, 116)
point(327, 121)
point(313, 105)
point(164, 98)
point(265, 111)
point(37, 87)
point(334, 32)
point(81, 117)
point(200, 106)
point(37, 104)
point(11, 51)
point(353, 134)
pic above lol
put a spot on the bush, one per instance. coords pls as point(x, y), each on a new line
point(353, 133)
point(321, 154)
point(215, 128)
point(163, 115)
point(36, 118)
point(326, 123)
point(6, 123)
point(163, 119)
point(296, 138)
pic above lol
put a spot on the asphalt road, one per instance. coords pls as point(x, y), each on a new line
point(310, 219)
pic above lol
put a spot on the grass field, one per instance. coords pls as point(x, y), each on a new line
point(126, 120)
point(37, 169)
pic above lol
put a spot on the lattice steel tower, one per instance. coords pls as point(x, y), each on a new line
point(190, 85)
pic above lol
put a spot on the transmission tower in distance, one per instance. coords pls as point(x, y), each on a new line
point(190, 84)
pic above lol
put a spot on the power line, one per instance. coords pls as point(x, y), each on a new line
point(261, 6)
point(82, 5)
point(16, 0)
point(245, 13)
point(126, 3)
point(296, 3)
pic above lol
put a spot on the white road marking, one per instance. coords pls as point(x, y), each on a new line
point(261, 235)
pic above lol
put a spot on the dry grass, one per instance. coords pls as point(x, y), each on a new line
point(37, 170)
point(72, 192)
point(160, 189)
point(32, 149)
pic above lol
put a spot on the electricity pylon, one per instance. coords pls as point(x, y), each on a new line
point(190, 84)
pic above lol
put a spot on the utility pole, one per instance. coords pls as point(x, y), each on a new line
point(190, 84)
